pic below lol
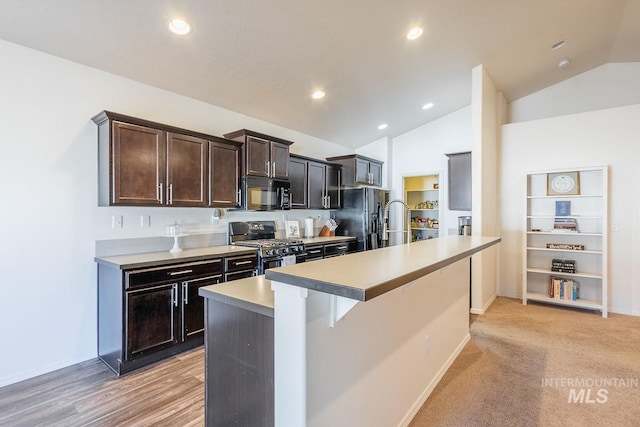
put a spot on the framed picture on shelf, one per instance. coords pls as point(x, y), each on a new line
point(292, 229)
point(563, 184)
point(563, 208)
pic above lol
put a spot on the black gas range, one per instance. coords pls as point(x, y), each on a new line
point(272, 252)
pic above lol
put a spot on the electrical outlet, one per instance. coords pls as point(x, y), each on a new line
point(145, 221)
point(116, 221)
point(427, 344)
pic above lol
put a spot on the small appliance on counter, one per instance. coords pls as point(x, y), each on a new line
point(464, 225)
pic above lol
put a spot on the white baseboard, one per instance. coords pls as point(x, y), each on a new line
point(432, 385)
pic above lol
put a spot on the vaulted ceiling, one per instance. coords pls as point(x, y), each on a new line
point(265, 58)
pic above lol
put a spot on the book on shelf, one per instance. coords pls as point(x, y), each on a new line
point(565, 225)
point(564, 289)
point(568, 246)
point(563, 265)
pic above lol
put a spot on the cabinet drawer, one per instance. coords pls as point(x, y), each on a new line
point(172, 273)
point(314, 252)
point(244, 262)
point(342, 248)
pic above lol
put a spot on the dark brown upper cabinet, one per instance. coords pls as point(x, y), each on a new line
point(143, 163)
point(359, 170)
point(298, 179)
point(317, 181)
point(263, 155)
point(459, 181)
point(224, 174)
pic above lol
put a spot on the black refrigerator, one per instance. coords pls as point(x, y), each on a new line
point(362, 215)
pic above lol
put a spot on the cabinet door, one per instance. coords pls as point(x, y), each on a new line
point(362, 171)
point(460, 181)
point(137, 166)
point(151, 319)
point(279, 160)
point(332, 189)
point(186, 170)
point(223, 175)
point(298, 179)
point(192, 306)
point(257, 152)
point(375, 171)
point(315, 185)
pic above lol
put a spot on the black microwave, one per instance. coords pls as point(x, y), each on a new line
point(265, 194)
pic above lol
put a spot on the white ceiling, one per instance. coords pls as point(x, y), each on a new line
point(264, 58)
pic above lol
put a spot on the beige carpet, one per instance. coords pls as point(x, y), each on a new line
point(541, 365)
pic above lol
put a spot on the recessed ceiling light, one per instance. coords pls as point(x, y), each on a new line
point(318, 94)
point(382, 126)
point(427, 106)
point(414, 33)
point(563, 63)
point(179, 26)
point(558, 45)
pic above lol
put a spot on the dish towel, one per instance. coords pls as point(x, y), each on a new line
point(288, 260)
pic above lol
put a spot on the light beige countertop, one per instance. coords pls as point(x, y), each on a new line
point(360, 276)
point(151, 259)
point(253, 294)
point(324, 240)
point(365, 275)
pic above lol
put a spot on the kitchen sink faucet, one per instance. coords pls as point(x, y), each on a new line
point(386, 231)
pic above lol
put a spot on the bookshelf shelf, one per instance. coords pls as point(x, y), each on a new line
point(581, 303)
point(569, 221)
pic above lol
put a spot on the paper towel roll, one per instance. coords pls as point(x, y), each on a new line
point(308, 227)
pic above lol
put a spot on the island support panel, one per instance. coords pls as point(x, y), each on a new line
point(239, 366)
point(380, 362)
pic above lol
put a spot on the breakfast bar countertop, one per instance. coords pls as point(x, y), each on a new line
point(365, 275)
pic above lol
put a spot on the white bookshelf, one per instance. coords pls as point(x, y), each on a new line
point(589, 210)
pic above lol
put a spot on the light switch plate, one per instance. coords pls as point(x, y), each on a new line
point(116, 221)
point(145, 221)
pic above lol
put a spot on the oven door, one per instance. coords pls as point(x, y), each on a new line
point(268, 263)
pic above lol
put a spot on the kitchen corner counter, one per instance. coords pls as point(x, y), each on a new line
point(366, 275)
point(253, 294)
point(151, 259)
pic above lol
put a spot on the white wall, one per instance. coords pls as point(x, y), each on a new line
point(49, 198)
point(607, 136)
point(607, 86)
point(422, 152)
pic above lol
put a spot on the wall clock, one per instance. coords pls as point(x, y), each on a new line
point(563, 184)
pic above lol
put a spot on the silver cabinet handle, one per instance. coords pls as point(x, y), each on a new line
point(170, 195)
point(266, 167)
point(273, 169)
point(174, 294)
point(328, 202)
point(342, 247)
point(177, 273)
point(242, 262)
point(185, 293)
point(313, 251)
point(160, 193)
point(239, 197)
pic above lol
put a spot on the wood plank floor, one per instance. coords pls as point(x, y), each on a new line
point(168, 393)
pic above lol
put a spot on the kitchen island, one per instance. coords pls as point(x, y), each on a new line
point(360, 339)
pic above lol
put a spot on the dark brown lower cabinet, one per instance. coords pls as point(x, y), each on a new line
point(148, 314)
point(239, 367)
